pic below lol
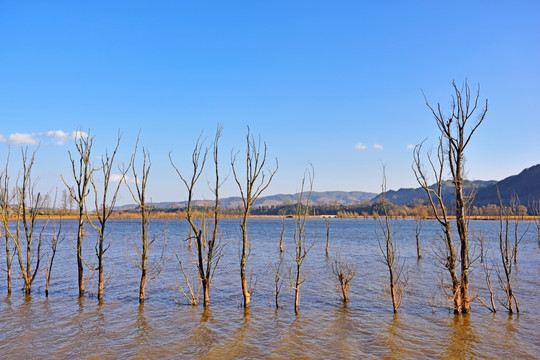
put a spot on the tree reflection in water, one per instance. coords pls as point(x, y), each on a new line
point(461, 338)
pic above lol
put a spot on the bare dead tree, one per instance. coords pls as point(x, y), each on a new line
point(29, 204)
point(507, 252)
point(6, 210)
point(481, 240)
point(388, 248)
point(327, 222)
point(56, 238)
point(82, 172)
point(139, 196)
point(192, 294)
point(515, 208)
point(278, 280)
point(104, 209)
point(281, 236)
point(301, 244)
point(344, 272)
point(418, 220)
point(456, 132)
point(256, 182)
point(209, 247)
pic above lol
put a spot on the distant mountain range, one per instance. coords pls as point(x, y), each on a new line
point(317, 198)
point(526, 185)
point(412, 195)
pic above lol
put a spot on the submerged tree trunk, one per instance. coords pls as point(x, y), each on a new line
point(246, 294)
point(256, 182)
point(142, 284)
point(80, 266)
point(82, 171)
point(104, 209)
point(209, 248)
point(327, 221)
point(418, 229)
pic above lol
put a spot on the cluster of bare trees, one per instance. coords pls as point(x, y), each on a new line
point(24, 236)
point(456, 129)
point(24, 205)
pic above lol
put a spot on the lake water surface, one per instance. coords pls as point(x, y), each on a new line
point(63, 326)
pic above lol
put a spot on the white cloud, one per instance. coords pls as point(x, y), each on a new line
point(410, 146)
point(378, 146)
point(360, 146)
point(58, 137)
point(78, 134)
point(21, 139)
point(118, 178)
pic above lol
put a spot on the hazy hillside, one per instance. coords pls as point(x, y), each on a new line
point(526, 185)
point(317, 198)
point(410, 196)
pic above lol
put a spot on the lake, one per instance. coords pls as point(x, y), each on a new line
point(64, 326)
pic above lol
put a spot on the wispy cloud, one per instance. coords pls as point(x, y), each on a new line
point(79, 134)
point(360, 146)
point(119, 177)
point(55, 137)
point(410, 146)
point(116, 177)
point(378, 146)
point(20, 139)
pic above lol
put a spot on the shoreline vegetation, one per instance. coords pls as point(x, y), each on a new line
point(180, 215)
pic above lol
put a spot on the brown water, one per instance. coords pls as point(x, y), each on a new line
point(66, 327)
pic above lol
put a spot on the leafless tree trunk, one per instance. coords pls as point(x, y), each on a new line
point(29, 203)
point(281, 236)
point(302, 246)
point(515, 211)
point(447, 255)
point(417, 229)
point(278, 281)
point(487, 272)
point(327, 222)
point(209, 248)
point(6, 211)
point(82, 172)
point(398, 279)
point(344, 273)
point(103, 210)
point(55, 239)
point(456, 132)
point(508, 252)
point(139, 196)
point(256, 181)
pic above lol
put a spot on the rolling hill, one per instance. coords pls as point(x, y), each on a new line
point(526, 185)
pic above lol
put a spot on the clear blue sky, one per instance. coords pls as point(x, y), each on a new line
point(313, 78)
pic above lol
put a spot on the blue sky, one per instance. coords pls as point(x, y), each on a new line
point(314, 79)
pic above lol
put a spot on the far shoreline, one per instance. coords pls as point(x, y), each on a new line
point(173, 216)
